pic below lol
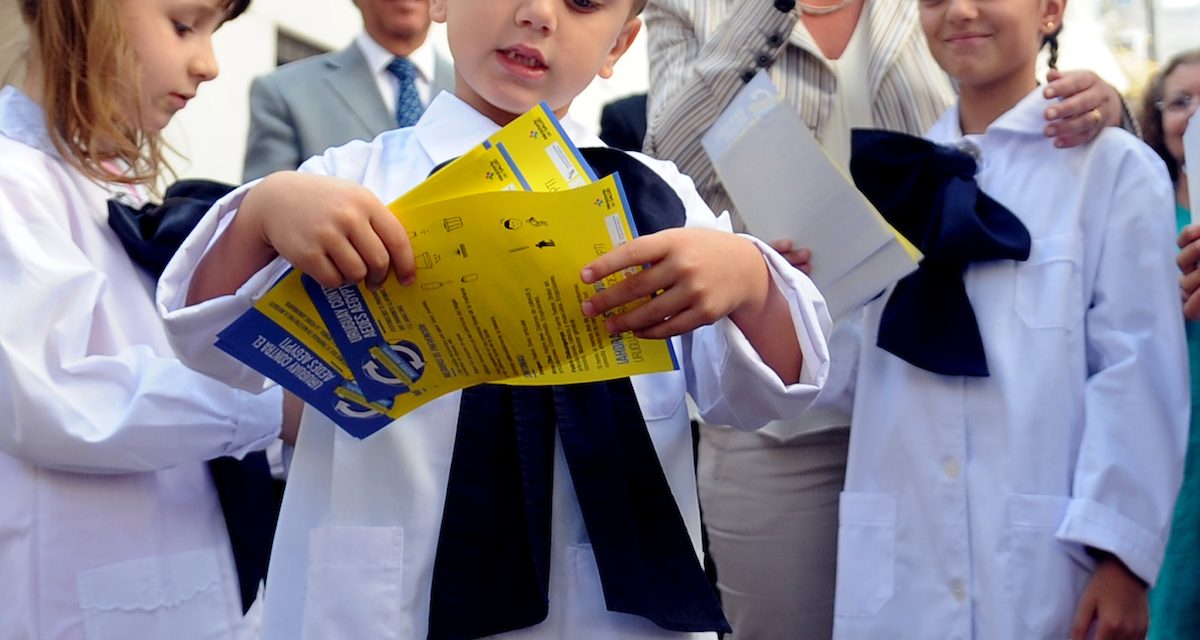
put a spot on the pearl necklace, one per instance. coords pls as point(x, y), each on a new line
point(820, 10)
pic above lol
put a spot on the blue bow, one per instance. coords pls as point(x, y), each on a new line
point(928, 193)
point(491, 571)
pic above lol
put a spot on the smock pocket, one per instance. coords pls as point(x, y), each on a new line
point(179, 596)
point(1044, 580)
point(354, 584)
point(866, 554)
point(660, 395)
point(1049, 292)
point(586, 608)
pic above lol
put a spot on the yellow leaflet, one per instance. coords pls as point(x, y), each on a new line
point(480, 170)
point(498, 293)
point(542, 152)
point(287, 304)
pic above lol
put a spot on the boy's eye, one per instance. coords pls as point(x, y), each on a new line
point(583, 5)
point(181, 28)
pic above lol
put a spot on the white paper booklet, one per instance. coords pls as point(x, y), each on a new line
point(785, 186)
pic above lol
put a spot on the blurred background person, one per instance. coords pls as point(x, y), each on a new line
point(1168, 102)
point(381, 81)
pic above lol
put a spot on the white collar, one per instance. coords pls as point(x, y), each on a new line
point(451, 127)
point(1026, 117)
point(378, 58)
point(24, 120)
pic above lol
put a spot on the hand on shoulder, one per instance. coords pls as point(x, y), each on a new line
point(1087, 105)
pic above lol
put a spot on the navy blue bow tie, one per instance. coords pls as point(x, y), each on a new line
point(151, 235)
point(928, 193)
point(491, 572)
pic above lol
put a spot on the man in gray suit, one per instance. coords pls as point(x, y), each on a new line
point(305, 107)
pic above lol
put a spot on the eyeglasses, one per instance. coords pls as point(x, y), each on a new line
point(1181, 103)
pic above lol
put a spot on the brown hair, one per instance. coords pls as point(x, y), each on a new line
point(638, 6)
point(1150, 118)
point(87, 66)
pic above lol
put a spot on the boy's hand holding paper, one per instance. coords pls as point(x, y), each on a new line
point(497, 293)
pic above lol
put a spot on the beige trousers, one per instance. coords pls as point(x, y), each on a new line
point(771, 510)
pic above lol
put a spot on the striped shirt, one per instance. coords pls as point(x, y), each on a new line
point(703, 51)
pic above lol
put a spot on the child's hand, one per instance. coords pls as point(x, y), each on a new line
point(800, 258)
point(334, 230)
point(1188, 260)
point(704, 275)
point(1115, 599)
point(1088, 105)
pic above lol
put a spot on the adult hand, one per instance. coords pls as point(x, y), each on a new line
point(801, 258)
point(1087, 105)
point(1188, 260)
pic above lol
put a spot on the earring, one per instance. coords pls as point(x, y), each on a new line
point(1049, 25)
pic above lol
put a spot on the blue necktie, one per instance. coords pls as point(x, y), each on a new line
point(491, 571)
point(408, 101)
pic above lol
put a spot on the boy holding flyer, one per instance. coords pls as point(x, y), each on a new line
point(532, 512)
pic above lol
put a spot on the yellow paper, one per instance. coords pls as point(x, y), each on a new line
point(483, 308)
point(498, 293)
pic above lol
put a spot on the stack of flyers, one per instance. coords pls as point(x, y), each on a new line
point(499, 236)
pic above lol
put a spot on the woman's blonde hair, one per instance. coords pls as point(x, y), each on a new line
point(88, 66)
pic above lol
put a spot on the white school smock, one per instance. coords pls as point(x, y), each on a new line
point(354, 552)
point(969, 501)
point(110, 528)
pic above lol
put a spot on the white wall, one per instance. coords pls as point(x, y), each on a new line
point(211, 132)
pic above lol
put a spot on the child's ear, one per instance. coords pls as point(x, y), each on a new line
point(1052, 16)
point(624, 40)
point(437, 10)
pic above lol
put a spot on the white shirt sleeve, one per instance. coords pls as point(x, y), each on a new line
point(1137, 400)
point(87, 382)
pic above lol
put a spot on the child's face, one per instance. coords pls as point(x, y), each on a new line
point(172, 41)
point(992, 44)
point(1183, 81)
point(509, 55)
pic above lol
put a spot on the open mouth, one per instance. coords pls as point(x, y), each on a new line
point(525, 57)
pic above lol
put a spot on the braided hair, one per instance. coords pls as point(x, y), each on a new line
point(1051, 40)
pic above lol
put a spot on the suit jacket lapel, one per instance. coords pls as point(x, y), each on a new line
point(350, 78)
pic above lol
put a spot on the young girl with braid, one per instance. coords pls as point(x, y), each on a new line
point(1020, 402)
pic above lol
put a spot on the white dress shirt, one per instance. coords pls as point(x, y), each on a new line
point(109, 524)
point(969, 501)
point(354, 552)
point(423, 59)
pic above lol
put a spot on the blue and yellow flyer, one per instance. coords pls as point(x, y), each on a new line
point(500, 236)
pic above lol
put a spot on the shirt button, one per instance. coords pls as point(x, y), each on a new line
point(748, 75)
point(959, 590)
point(763, 59)
point(785, 5)
point(951, 468)
point(775, 40)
